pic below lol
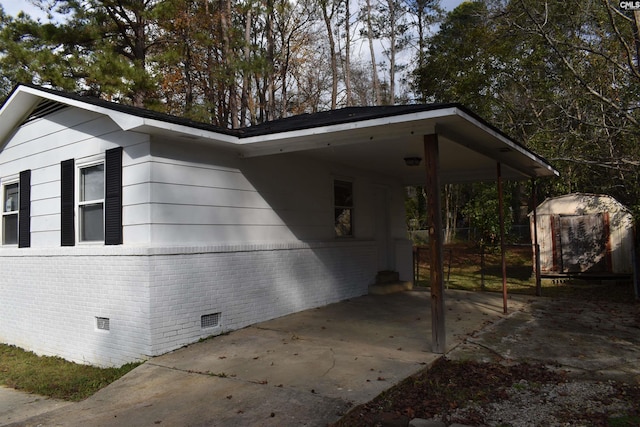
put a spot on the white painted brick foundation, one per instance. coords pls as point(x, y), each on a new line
point(154, 298)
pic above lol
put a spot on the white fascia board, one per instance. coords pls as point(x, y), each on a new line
point(303, 139)
point(126, 121)
point(195, 133)
point(14, 110)
point(510, 143)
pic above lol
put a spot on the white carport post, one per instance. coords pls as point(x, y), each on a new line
point(432, 163)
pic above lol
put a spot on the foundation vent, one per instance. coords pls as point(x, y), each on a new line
point(102, 323)
point(210, 320)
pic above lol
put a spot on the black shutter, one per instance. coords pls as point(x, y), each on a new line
point(24, 212)
point(113, 197)
point(67, 198)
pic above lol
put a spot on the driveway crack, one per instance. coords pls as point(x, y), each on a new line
point(333, 362)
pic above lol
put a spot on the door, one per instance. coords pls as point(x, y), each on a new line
point(583, 242)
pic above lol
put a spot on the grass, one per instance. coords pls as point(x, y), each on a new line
point(54, 376)
point(462, 270)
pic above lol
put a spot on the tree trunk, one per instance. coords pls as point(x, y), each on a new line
point(270, 83)
point(228, 61)
point(332, 51)
point(246, 81)
point(392, 51)
point(347, 54)
point(374, 68)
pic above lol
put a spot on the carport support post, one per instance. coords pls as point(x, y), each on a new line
point(434, 216)
point(502, 246)
point(536, 246)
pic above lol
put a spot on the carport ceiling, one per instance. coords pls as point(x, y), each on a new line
point(379, 138)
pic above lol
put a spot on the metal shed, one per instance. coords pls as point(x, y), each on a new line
point(584, 234)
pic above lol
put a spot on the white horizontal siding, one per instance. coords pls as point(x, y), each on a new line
point(198, 175)
point(179, 194)
point(172, 234)
point(212, 215)
point(54, 123)
point(72, 133)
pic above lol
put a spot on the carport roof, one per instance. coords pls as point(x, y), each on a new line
point(370, 138)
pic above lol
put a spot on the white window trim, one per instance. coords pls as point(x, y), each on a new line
point(13, 179)
point(78, 204)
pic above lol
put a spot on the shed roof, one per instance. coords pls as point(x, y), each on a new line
point(581, 204)
point(372, 138)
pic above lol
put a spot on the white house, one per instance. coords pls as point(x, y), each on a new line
point(127, 233)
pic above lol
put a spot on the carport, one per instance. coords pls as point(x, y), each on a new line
point(427, 145)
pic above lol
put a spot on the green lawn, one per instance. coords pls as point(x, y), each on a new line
point(462, 270)
point(54, 376)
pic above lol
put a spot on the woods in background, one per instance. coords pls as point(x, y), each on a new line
point(563, 78)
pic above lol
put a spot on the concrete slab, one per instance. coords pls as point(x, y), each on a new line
point(17, 406)
point(304, 369)
point(592, 340)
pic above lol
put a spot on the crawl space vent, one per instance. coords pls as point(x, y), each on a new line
point(102, 323)
point(210, 320)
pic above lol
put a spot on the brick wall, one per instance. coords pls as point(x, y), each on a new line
point(50, 301)
point(154, 298)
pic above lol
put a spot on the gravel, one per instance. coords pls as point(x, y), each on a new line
point(574, 403)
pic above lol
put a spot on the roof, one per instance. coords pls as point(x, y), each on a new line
point(374, 138)
point(580, 204)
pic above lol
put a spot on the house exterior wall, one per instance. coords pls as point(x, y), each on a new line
point(246, 284)
point(51, 299)
point(77, 134)
point(205, 233)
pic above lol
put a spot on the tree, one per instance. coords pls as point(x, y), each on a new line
point(560, 77)
point(369, 32)
point(329, 9)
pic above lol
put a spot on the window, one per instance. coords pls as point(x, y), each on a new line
point(92, 200)
point(10, 213)
point(91, 203)
point(343, 208)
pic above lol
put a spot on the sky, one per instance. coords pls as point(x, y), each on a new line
point(12, 7)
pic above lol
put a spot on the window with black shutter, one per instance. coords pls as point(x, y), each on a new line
point(99, 204)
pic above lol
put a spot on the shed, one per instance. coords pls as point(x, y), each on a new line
point(584, 234)
point(128, 233)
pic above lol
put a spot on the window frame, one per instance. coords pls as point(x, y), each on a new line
point(80, 204)
point(350, 207)
point(13, 180)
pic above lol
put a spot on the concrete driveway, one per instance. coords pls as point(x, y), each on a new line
point(305, 369)
point(591, 340)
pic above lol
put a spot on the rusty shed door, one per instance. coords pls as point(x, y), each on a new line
point(584, 243)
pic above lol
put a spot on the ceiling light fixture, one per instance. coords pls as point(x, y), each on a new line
point(412, 161)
